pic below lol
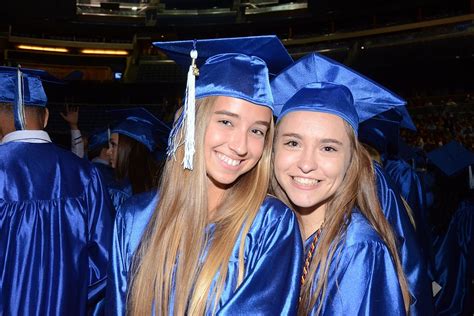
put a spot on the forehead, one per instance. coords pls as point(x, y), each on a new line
point(308, 123)
point(242, 108)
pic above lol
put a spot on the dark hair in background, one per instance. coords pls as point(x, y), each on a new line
point(91, 154)
point(137, 164)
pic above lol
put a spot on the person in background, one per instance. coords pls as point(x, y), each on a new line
point(230, 248)
point(98, 154)
point(133, 142)
point(369, 100)
point(55, 214)
point(452, 216)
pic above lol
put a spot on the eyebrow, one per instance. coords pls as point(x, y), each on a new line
point(331, 140)
point(265, 123)
point(324, 140)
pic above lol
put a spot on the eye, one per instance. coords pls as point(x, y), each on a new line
point(291, 143)
point(258, 132)
point(226, 122)
point(329, 149)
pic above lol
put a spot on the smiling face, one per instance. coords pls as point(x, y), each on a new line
point(234, 139)
point(312, 154)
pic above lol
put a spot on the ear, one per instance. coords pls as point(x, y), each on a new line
point(46, 117)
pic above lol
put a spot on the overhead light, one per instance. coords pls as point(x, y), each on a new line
point(43, 49)
point(104, 52)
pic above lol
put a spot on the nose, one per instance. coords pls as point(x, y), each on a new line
point(238, 143)
point(307, 162)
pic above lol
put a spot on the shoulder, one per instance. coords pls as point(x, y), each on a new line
point(139, 205)
point(274, 209)
point(360, 233)
point(273, 213)
point(135, 212)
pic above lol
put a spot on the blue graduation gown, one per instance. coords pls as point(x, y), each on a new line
point(454, 263)
point(413, 261)
point(362, 278)
point(273, 260)
point(409, 184)
point(55, 231)
point(119, 192)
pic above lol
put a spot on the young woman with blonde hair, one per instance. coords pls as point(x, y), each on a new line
point(211, 240)
point(352, 265)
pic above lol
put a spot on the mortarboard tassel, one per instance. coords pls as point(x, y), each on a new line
point(471, 178)
point(188, 117)
point(19, 109)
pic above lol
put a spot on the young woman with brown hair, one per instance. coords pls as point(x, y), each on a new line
point(352, 265)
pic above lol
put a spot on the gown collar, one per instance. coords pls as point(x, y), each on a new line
point(27, 136)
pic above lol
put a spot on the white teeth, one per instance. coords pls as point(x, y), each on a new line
point(305, 181)
point(227, 160)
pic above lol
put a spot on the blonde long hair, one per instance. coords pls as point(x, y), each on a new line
point(171, 250)
point(357, 190)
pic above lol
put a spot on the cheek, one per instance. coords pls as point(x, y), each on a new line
point(282, 162)
point(257, 146)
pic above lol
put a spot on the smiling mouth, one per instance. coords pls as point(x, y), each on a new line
point(307, 182)
point(228, 161)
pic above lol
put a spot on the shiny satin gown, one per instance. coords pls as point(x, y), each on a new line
point(454, 263)
point(55, 232)
point(413, 261)
point(362, 278)
point(409, 184)
point(119, 192)
point(273, 260)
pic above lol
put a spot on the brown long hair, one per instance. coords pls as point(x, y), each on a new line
point(357, 190)
point(170, 251)
point(137, 164)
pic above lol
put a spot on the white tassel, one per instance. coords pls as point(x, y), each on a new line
point(190, 113)
point(20, 110)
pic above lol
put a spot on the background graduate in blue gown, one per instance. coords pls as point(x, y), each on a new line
point(352, 266)
point(134, 137)
point(213, 242)
point(55, 215)
point(453, 247)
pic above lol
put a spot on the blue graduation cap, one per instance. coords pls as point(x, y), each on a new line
point(268, 48)
point(382, 133)
point(235, 67)
point(451, 158)
point(369, 98)
point(139, 124)
point(22, 87)
point(98, 138)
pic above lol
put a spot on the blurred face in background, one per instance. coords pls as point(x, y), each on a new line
point(112, 151)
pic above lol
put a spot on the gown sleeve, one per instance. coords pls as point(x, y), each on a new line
point(100, 225)
point(118, 270)
point(273, 269)
point(413, 262)
point(363, 281)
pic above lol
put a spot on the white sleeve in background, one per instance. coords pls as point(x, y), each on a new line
point(77, 146)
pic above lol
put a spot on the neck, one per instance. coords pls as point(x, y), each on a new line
point(311, 219)
point(214, 196)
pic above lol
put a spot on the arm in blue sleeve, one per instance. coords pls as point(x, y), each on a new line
point(100, 223)
point(118, 270)
point(363, 281)
point(271, 283)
